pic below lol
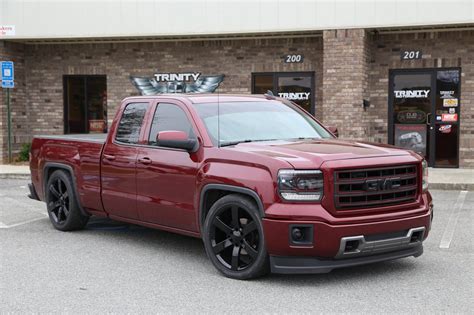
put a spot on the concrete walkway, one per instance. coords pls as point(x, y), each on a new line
point(439, 178)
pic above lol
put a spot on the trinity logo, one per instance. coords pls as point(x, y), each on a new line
point(192, 82)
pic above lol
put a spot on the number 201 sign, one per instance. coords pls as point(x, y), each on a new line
point(410, 54)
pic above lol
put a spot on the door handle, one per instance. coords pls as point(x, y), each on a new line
point(428, 121)
point(145, 160)
point(109, 157)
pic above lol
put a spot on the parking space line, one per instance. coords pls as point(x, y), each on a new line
point(453, 220)
point(4, 226)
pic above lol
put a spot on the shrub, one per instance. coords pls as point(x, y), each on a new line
point(24, 154)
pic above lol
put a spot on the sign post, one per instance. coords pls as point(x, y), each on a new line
point(8, 83)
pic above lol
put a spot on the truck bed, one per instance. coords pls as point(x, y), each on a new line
point(80, 153)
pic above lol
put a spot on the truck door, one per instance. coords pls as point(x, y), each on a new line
point(166, 177)
point(118, 172)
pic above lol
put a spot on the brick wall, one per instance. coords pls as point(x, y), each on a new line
point(236, 59)
point(345, 81)
point(18, 102)
point(440, 49)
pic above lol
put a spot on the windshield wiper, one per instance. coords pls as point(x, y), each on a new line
point(229, 143)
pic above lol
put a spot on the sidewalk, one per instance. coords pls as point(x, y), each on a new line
point(439, 178)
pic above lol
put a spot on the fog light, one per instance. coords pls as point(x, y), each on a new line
point(301, 234)
point(297, 234)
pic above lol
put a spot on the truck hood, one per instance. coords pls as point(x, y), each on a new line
point(313, 153)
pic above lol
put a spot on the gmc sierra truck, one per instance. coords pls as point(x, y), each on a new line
point(261, 181)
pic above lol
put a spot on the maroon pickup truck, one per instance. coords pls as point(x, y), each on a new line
point(263, 183)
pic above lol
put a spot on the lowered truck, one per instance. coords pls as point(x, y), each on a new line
point(261, 181)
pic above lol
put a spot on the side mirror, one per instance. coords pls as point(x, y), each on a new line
point(333, 130)
point(176, 139)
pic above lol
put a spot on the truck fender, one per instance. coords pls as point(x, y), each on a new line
point(70, 170)
point(241, 190)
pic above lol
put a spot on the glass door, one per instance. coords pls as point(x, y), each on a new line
point(424, 113)
point(294, 86)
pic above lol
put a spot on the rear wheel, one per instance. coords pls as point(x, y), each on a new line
point(61, 200)
point(233, 238)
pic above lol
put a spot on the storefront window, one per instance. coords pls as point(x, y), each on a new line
point(85, 104)
point(293, 86)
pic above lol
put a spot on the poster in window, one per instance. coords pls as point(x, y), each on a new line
point(411, 137)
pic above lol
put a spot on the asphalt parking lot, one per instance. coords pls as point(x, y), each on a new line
point(117, 268)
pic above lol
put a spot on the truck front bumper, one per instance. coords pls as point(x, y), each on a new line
point(327, 244)
point(295, 265)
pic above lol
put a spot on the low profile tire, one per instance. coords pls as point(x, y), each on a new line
point(234, 240)
point(61, 200)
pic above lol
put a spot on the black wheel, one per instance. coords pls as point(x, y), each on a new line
point(234, 240)
point(61, 200)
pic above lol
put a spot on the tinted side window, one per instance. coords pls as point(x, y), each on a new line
point(169, 117)
point(128, 130)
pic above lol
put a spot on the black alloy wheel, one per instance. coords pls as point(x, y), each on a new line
point(63, 208)
point(234, 238)
point(59, 202)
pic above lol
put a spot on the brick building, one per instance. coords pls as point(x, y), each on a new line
point(410, 84)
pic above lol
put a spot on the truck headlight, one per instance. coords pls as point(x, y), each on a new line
point(424, 177)
point(300, 185)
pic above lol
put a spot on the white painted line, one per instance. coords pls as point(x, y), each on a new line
point(3, 226)
point(453, 220)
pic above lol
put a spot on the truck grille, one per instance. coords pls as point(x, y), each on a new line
point(375, 186)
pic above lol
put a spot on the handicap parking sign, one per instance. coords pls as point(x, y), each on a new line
point(8, 74)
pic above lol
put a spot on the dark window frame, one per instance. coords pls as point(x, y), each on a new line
point(65, 99)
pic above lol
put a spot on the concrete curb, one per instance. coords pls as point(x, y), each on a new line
point(434, 186)
point(451, 186)
point(14, 176)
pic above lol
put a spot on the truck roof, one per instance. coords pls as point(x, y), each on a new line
point(209, 98)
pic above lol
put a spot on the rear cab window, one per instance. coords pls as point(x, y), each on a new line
point(129, 127)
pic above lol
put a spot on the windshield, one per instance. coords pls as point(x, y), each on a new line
point(257, 121)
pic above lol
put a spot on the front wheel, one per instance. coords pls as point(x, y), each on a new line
point(234, 240)
point(61, 200)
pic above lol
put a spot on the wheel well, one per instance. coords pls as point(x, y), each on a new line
point(210, 196)
point(49, 170)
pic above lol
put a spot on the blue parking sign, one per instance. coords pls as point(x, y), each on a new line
point(8, 74)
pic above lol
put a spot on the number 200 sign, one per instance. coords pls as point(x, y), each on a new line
point(293, 58)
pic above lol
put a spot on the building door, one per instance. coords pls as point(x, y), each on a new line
point(294, 86)
point(424, 113)
point(85, 104)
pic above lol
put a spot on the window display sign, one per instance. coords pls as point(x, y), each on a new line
point(411, 93)
point(411, 137)
point(295, 96)
point(96, 126)
point(445, 128)
point(411, 116)
point(449, 117)
point(450, 102)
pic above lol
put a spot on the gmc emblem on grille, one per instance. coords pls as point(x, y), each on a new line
point(381, 184)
